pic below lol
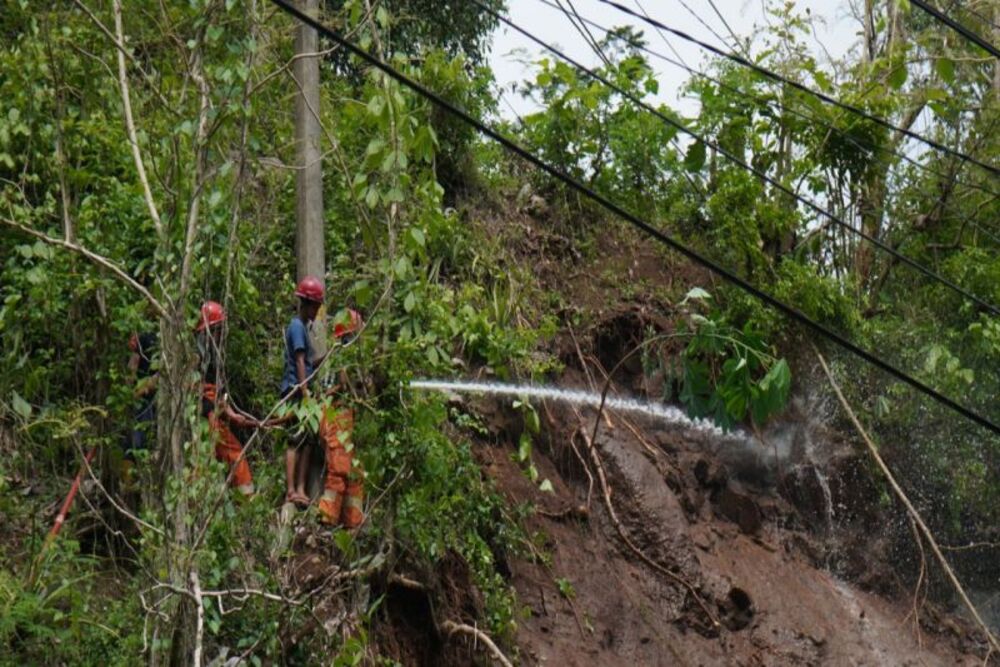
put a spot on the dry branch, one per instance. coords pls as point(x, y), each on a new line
point(451, 627)
point(99, 260)
point(133, 139)
point(200, 623)
point(991, 639)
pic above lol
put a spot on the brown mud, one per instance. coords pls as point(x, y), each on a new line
point(746, 560)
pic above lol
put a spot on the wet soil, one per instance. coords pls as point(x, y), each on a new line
point(590, 599)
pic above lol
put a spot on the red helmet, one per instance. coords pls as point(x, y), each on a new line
point(311, 289)
point(211, 314)
point(352, 326)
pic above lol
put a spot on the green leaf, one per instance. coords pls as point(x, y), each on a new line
point(697, 294)
point(823, 81)
point(897, 77)
point(945, 68)
point(409, 302)
point(375, 107)
point(524, 448)
point(695, 158)
point(343, 540)
point(546, 486)
point(532, 421)
point(418, 236)
point(393, 195)
point(401, 267)
point(21, 406)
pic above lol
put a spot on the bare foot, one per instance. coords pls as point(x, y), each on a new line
point(299, 498)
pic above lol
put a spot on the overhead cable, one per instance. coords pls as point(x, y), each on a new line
point(514, 147)
point(583, 29)
point(864, 144)
point(957, 27)
point(993, 169)
point(868, 146)
point(930, 273)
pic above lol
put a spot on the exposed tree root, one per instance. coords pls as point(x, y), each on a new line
point(451, 627)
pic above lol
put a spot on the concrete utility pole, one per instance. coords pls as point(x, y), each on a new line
point(309, 251)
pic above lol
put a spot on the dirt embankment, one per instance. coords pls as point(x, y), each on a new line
point(700, 563)
point(662, 546)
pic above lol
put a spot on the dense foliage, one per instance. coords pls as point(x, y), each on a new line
point(405, 186)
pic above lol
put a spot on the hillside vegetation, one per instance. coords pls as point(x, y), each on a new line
point(148, 163)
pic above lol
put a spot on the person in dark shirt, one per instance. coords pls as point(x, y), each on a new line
point(294, 382)
point(215, 405)
point(143, 377)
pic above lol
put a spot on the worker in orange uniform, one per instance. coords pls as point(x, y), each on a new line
point(343, 489)
point(294, 383)
point(214, 400)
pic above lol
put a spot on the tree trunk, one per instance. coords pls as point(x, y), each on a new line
point(173, 431)
point(996, 40)
point(309, 250)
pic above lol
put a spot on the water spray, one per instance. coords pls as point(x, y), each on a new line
point(658, 411)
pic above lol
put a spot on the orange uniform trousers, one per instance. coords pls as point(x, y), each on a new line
point(227, 446)
point(343, 488)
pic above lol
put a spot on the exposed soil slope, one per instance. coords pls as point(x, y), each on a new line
point(761, 582)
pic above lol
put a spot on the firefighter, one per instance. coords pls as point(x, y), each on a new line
point(343, 488)
point(294, 383)
point(215, 405)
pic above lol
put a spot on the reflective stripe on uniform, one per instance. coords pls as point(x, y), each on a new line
point(354, 501)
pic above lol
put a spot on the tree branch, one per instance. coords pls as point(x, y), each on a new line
point(451, 627)
point(991, 640)
point(99, 260)
point(133, 140)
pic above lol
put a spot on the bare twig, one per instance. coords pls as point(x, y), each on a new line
point(994, 645)
point(133, 139)
point(915, 610)
point(971, 546)
point(406, 582)
point(99, 260)
point(586, 369)
point(201, 151)
point(121, 48)
point(451, 627)
point(199, 631)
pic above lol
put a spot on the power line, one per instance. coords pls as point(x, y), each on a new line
point(742, 163)
point(583, 30)
point(978, 14)
point(728, 27)
point(596, 47)
point(658, 32)
point(867, 146)
point(637, 222)
point(957, 27)
point(740, 60)
point(697, 17)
